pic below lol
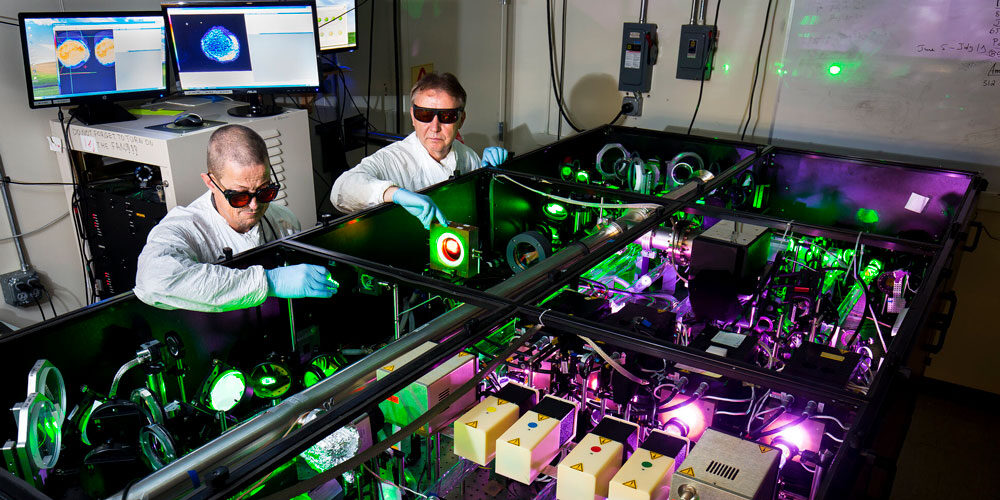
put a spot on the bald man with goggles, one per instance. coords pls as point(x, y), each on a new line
point(426, 157)
point(177, 267)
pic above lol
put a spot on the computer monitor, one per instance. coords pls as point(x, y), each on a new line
point(92, 59)
point(246, 47)
point(337, 23)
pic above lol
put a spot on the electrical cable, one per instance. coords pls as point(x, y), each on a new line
point(75, 209)
point(989, 234)
point(23, 183)
point(40, 310)
point(614, 364)
point(552, 68)
point(362, 2)
point(760, 52)
point(581, 203)
point(830, 417)
point(33, 231)
point(51, 305)
point(10, 24)
point(701, 87)
point(368, 98)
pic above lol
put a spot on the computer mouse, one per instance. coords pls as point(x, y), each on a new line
point(188, 120)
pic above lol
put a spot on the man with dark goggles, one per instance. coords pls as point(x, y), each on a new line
point(176, 267)
point(240, 199)
point(427, 156)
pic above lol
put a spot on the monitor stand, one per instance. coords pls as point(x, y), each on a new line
point(256, 108)
point(100, 112)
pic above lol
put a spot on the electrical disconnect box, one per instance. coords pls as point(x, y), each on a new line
point(697, 47)
point(639, 52)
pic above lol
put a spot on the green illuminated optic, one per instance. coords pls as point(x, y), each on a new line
point(268, 380)
point(227, 390)
point(867, 216)
point(835, 69)
point(566, 171)
point(582, 176)
point(725, 68)
point(555, 211)
point(871, 271)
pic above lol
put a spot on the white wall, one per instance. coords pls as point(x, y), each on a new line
point(26, 157)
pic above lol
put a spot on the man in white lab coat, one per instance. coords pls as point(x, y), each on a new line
point(176, 267)
point(427, 156)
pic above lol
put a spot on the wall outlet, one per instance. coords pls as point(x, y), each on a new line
point(636, 101)
point(21, 288)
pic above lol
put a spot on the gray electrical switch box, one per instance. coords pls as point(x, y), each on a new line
point(696, 50)
point(639, 52)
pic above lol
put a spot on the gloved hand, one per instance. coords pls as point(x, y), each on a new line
point(301, 280)
point(494, 156)
point(420, 206)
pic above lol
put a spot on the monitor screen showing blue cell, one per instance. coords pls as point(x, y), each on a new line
point(337, 24)
point(70, 57)
point(244, 47)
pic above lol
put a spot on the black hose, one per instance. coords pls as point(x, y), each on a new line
point(780, 428)
point(552, 68)
point(769, 421)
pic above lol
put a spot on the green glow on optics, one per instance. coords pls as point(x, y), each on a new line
point(835, 69)
point(867, 216)
point(566, 171)
point(227, 390)
point(582, 176)
point(871, 271)
point(268, 380)
point(556, 211)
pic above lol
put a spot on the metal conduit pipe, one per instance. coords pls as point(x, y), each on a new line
point(239, 444)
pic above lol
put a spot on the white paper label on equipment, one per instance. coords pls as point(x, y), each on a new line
point(729, 338)
point(88, 143)
point(632, 59)
point(917, 203)
point(718, 351)
point(55, 144)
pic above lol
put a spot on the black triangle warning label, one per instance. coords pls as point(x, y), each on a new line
point(474, 424)
point(630, 484)
point(603, 440)
point(687, 472)
point(578, 467)
point(542, 417)
point(515, 441)
point(654, 455)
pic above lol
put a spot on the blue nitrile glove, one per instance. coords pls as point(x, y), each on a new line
point(420, 206)
point(300, 280)
point(494, 156)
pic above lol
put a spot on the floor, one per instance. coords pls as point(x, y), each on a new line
point(952, 449)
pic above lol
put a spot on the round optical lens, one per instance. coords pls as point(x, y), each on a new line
point(452, 249)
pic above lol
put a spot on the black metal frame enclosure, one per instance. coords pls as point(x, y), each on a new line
point(387, 243)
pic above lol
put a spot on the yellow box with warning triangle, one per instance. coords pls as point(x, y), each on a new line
point(477, 431)
point(415, 399)
point(646, 474)
point(585, 472)
point(533, 441)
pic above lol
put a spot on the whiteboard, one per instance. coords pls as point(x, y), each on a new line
point(912, 77)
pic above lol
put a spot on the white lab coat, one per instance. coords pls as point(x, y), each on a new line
point(175, 267)
point(405, 164)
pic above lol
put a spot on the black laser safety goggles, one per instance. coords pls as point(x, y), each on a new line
point(240, 199)
point(446, 116)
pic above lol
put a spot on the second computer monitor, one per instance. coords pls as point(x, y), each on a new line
point(222, 47)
